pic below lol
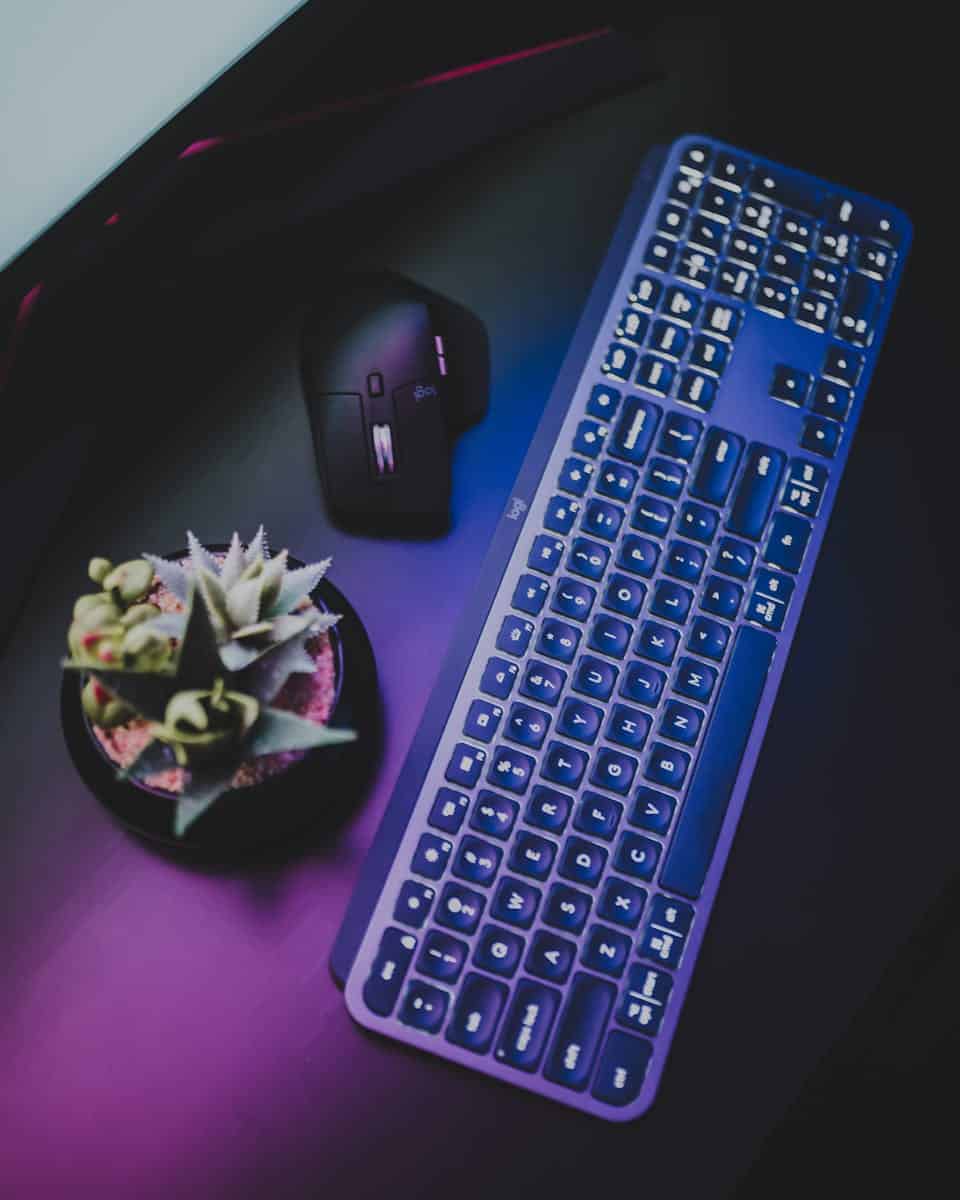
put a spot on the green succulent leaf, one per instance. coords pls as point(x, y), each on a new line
point(215, 601)
point(277, 730)
point(295, 586)
point(172, 575)
point(201, 557)
point(243, 602)
point(145, 691)
point(233, 564)
point(272, 578)
point(198, 662)
point(203, 786)
point(237, 655)
point(258, 548)
point(271, 671)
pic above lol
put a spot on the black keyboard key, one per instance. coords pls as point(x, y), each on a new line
point(573, 598)
point(722, 320)
point(628, 727)
point(498, 951)
point(514, 636)
point(665, 478)
point(667, 766)
point(671, 601)
point(657, 642)
point(610, 635)
point(575, 476)
point(602, 519)
point(442, 956)
point(718, 203)
point(580, 721)
point(708, 638)
point(709, 354)
point(734, 558)
point(622, 1068)
point(660, 253)
point(722, 597)
point(696, 158)
point(697, 390)
point(756, 492)
point(831, 400)
point(652, 515)
point(561, 514)
point(548, 809)
point(790, 385)
point(672, 219)
point(746, 248)
point(582, 861)
point(567, 909)
point(603, 402)
point(642, 684)
point(577, 1041)
point(781, 189)
point(550, 957)
point(681, 722)
point(874, 259)
point(655, 375)
point(842, 365)
point(684, 561)
point(614, 770)
point(695, 679)
point(645, 998)
point(477, 1013)
point(859, 310)
point(685, 187)
point(482, 720)
point(806, 483)
point(431, 856)
point(730, 171)
point(835, 244)
point(635, 430)
point(594, 677)
point(589, 438)
point(784, 262)
point(598, 816)
point(652, 810)
point(564, 764)
point(532, 855)
point(587, 558)
point(681, 434)
point(694, 841)
point(696, 268)
point(771, 596)
point(617, 480)
point(605, 950)
point(515, 902)
point(756, 216)
point(388, 971)
point(466, 765)
point(424, 1007)
point(681, 305)
point(708, 232)
point(631, 327)
point(558, 640)
point(543, 682)
point(638, 554)
point(511, 770)
point(826, 278)
point(624, 595)
point(698, 522)
point(494, 815)
point(460, 908)
point(449, 809)
point(821, 436)
point(773, 296)
point(527, 1025)
point(637, 856)
point(477, 861)
point(662, 946)
point(669, 340)
point(622, 902)
point(734, 280)
point(545, 554)
point(620, 362)
point(796, 230)
point(498, 677)
point(814, 312)
point(413, 903)
point(645, 292)
point(530, 594)
point(788, 539)
point(721, 456)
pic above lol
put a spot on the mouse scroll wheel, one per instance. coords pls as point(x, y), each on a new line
point(383, 451)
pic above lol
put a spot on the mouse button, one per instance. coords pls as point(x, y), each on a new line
point(337, 420)
point(421, 420)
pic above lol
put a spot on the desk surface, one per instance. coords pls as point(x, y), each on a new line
point(167, 1031)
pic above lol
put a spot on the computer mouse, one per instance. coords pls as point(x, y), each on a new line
point(392, 372)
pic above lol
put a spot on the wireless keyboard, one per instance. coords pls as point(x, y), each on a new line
point(546, 871)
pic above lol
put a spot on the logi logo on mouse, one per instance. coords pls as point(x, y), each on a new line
point(423, 390)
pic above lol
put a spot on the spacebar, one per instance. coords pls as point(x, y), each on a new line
point(695, 839)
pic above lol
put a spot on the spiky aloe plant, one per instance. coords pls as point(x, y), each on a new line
point(206, 701)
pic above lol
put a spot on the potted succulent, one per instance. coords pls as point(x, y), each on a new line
point(198, 685)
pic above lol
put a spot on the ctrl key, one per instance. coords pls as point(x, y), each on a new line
point(388, 971)
point(476, 1013)
point(623, 1065)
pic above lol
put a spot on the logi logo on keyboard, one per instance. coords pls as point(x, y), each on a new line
point(516, 509)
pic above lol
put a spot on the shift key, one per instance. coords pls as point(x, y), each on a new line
point(575, 1047)
point(721, 455)
point(756, 492)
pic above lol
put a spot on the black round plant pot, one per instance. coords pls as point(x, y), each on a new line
point(316, 792)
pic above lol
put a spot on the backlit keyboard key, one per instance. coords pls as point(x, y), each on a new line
point(460, 908)
point(610, 636)
point(773, 296)
point(567, 908)
point(790, 385)
point(589, 438)
point(605, 950)
point(588, 558)
point(669, 340)
point(671, 601)
point(594, 677)
point(564, 765)
point(788, 540)
point(746, 248)
point(685, 561)
point(515, 902)
point(643, 684)
point(548, 809)
point(530, 594)
point(681, 722)
point(829, 400)
point(431, 856)
point(784, 262)
point(558, 640)
point(582, 861)
point(614, 770)
point(545, 554)
point(413, 903)
point(756, 492)
point(672, 219)
point(482, 720)
point(680, 435)
point(622, 902)
point(388, 970)
point(652, 810)
point(577, 1042)
point(695, 679)
point(575, 476)
point(532, 855)
point(514, 636)
point(645, 292)
point(718, 466)
point(424, 1007)
point(708, 638)
point(498, 677)
point(843, 365)
point(667, 766)
point(696, 267)
point(632, 327)
point(661, 946)
point(494, 815)
point(635, 429)
point(477, 1013)
point(660, 253)
point(580, 721)
point(637, 856)
point(620, 362)
point(603, 402)
point(527, 1025)
point(859, 309)
point(573, 599)
point(821, 436)
point(721, 320)
point(511, 770)
point(708, 354)
point(498, 951)
point(796, 230)
point(644, 1000)
point(665, 477)
point(561, 514)
point(814, 312)
point(685, 187)
point(543, 682)
point(466, 764)
point(682, 305)
point(550, 957)
point(657, 642)
point(449, 809)
point(597, 816)
point(617, 481)
point(698, 522)
point(442, 956)
point(652, 515)
point(622, 1068)
point(602, 519)
point(477, 861)
point(721, 597)
point(638, 554)
point(673, 915)
point(624, 595)
point(771, 596)
point(628, 727)
point(697, 390)
point(734, 558)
